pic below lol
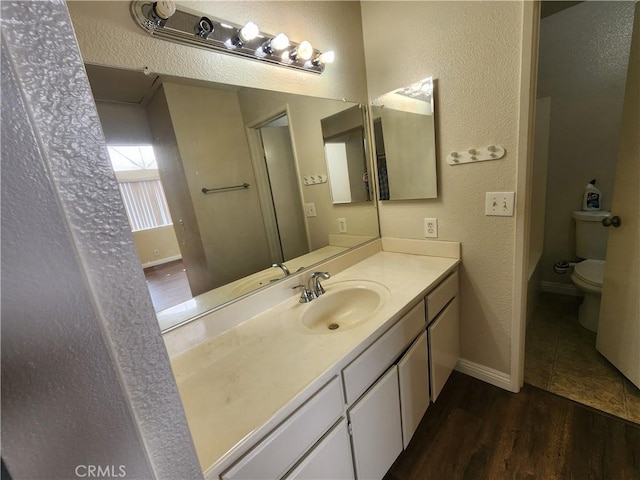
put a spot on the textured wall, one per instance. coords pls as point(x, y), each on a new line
point(473, 50)
point(214, 153)
point(85, 376)
point(107, 35)
point(584, 52)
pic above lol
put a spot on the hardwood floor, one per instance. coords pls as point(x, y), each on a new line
point(477, 431)
point(168, 284)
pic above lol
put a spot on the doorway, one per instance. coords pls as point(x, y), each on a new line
point(581, 91)
point(278, 187)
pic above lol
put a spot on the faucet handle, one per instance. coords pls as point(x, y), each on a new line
point(306, 295)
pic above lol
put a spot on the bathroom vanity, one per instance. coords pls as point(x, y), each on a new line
point(283, 395)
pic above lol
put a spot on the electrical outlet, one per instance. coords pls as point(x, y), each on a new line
point(310, 209)
point(499, 204)
point(431, 227)
point(342, 225)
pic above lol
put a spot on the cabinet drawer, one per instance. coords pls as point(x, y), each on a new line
point(277, 453)
point(444, 347)
point(365, 369)
point(441, 295)
point(330, 458)
point(413, 376)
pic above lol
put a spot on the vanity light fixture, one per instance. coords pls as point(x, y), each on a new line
point(244, 35)
point(324, 58)
point(275, 44)
point(162, 11)
point(181, 25)
point(304, 51)
point(422, 90)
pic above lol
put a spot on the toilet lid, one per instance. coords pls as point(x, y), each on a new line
point(591, 271)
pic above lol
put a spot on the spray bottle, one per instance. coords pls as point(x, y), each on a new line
point(592, 199)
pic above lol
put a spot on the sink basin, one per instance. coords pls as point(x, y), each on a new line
point(345, 305)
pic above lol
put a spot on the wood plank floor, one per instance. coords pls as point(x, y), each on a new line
point(476, 431)
point(168, 284)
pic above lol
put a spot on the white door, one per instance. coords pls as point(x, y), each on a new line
point(619, 327)
point(376, 428)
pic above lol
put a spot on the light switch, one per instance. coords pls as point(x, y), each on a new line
point(310, 209)
point(499, 204)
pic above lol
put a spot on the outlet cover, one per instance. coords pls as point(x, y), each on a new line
point(342, 225)
point(431, 227)
point(499, 204)
point(310, 209)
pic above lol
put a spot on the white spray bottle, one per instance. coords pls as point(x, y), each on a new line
point(592, 199)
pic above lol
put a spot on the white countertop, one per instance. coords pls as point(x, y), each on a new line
point(204, 302)
point(237, 382)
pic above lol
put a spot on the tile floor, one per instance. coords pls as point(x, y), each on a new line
point(560, 357)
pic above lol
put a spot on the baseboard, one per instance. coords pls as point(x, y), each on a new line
point(486, 374)
point(161, 261)
point(561, 288)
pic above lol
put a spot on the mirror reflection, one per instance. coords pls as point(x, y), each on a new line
point(212, 180)
point(345, 153)
point(404, 135)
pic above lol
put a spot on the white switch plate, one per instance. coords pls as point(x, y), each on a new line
point(342, 225)
point(310, 209)
point(431, 227)
point(499, 204)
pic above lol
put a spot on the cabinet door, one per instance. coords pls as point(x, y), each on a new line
point(413, 375)
point(330, 458)
point(376, 428)
point(444, 347)
point(277, 453)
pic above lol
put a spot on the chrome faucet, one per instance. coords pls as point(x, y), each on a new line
point(283, 267)
point(314, 284)
point(313, 289)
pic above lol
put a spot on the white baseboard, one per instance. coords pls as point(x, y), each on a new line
point(486, 374)
point(561, 288)
point(161, 261)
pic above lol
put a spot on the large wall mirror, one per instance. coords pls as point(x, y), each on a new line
point(404, 133)
point(213, 181)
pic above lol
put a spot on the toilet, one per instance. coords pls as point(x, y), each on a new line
point(588, 275)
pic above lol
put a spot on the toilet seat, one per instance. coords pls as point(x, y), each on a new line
point(590, 272)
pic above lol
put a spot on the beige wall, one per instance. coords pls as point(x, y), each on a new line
point(473, 49)
point(304, 122)
point(162, 239)
point(124, 124)
point(584, 52)
point(108, 36)
point(214, 153)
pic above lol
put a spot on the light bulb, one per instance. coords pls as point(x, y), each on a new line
point(303, 52)
point(164, 10)
point(286, 57)
point(248, 32)
point(279, 42)
point(324, 58)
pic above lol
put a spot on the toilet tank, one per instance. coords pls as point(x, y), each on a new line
point(591, 235)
